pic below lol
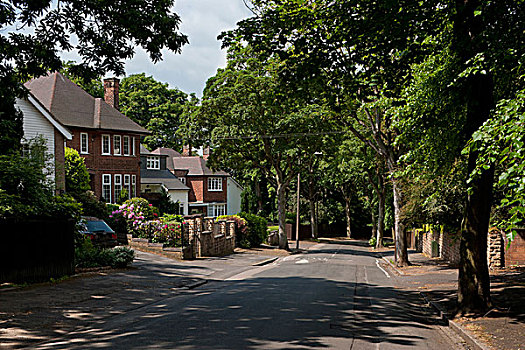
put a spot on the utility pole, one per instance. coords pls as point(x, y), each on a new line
point(297, 216)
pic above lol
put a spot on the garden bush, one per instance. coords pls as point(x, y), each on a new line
point(257, 232)
point(87, 255)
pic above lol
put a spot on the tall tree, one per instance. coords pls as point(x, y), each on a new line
point(103, 33)
point(363, 53)
point(156, 107)
point(256, 121)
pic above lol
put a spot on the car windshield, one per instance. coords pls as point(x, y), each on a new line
point(94, 226)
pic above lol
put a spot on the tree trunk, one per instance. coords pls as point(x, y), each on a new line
point(259, 197)
point(473, 278)
point(374, 225)
point(348, 217)
point(401, 246)
point(313, 218)
point(381, 211)
point(281, 205)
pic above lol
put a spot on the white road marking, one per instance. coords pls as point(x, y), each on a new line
point(302, 261)
point(380, 268)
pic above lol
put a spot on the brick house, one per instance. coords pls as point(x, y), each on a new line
point(155, 177)
point(208, 189)
point(107, 140)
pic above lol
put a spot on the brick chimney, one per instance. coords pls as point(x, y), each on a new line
point(111, 92)
point(206, 152)
point(186, 150)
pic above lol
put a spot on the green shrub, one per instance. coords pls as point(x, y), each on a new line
point(372, 242)
point(92, 206)
point(87, 255)
point(122, 257)
point(257, 232)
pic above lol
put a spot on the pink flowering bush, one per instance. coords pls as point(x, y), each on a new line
point(143, 222)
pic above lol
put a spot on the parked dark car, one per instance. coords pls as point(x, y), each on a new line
point(98, 231)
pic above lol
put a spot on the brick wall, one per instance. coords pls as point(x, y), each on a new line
point(515, 254)
point(448, 245)
point(99, 164)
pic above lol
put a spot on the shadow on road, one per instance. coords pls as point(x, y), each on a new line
point(266, 312)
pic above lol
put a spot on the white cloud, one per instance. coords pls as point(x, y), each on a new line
point(202, 21)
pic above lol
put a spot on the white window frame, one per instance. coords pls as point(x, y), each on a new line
point(132, 146)
point(153, 162)
point(108, 138)
point(134, 185)
point(84, 143)
point(125, 141)
point(215, 210)
point(117, 183)
point(127, 184)
point(106, 183)
point(115, 144)
point(215, 184)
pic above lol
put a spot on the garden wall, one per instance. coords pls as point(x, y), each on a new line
point(206, 237)
point(36, 250)
point(499, 254)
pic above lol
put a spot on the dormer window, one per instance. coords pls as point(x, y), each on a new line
point(215, 184)
point(183, 180)
point(153, 162)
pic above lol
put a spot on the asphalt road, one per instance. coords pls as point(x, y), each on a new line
point(334, 296)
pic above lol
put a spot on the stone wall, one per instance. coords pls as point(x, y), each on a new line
point(499, 254)
point(207, 237)
point(495, 249)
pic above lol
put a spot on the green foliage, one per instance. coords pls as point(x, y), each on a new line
point(87, 255)
point(372, 241)
point(500, 142)
point(141, 207)
point(123, 196)
point(92, 206)
point(26, 189)
point(92, 86)
point(77, 176)
point(156, 107)
point(166, 205)
point(257, 230)
point(103, 34)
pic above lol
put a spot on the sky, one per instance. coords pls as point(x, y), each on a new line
point(202, 22)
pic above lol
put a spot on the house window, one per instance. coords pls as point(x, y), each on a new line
point(216, 209)
point(116, 145)
point(183, 180)
point(106, 144)
point(127, 185)
point(214, 184)
point(134, 185)
point(118, 186)
point(132, 146)
point(125, 145)
point(84, 149)
point(153, 162)
point(181, 209)
point(106, 188)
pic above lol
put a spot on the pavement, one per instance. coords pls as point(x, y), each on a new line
point(503, 327)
